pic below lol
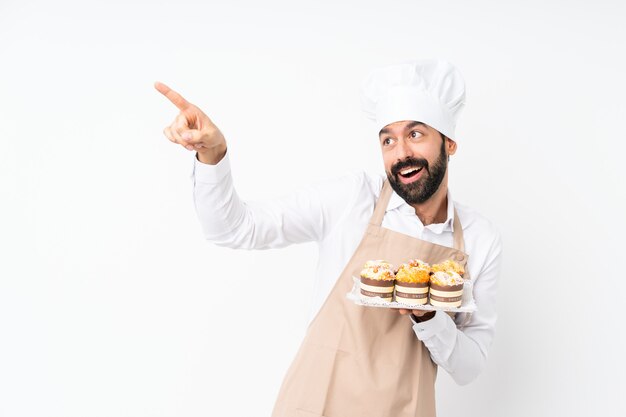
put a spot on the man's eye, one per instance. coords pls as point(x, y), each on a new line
point(415, 134)
point(387, 141)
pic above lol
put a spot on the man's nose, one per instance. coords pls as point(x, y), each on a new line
point(403, 150)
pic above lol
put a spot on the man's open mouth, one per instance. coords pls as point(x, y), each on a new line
point(410, 173)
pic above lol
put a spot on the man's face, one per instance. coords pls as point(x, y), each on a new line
point(416, 159)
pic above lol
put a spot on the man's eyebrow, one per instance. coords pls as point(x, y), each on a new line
point(411, 125)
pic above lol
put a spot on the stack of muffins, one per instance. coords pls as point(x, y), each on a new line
point(414, 283)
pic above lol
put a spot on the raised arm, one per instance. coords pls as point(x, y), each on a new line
point(227, 220)
point(302, 216)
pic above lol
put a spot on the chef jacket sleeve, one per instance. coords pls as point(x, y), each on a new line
point(302, 216)
point(462, 352)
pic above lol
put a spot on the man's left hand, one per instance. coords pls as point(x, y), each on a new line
point(422, 315)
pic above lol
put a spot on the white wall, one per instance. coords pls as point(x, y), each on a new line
point(106, 283)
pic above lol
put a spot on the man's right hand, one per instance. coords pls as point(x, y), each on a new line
point(193, 129)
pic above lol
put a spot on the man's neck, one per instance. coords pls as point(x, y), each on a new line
point(435, 209)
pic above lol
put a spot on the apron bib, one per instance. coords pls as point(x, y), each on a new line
point(360, 361)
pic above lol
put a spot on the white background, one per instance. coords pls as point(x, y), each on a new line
point(113, 304)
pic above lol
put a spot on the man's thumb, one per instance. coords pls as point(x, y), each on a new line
point(191, 135)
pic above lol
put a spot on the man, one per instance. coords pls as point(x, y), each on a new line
point(354, 360)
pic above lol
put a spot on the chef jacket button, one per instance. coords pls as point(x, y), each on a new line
point(459, 257)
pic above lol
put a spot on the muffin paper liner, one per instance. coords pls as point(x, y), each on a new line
point(467, 303)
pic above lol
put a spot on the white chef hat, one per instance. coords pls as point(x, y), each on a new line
point(427, 91)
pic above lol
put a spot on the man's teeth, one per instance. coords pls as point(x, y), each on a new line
point(408, 171)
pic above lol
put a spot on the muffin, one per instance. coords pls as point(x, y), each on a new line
point(412, 281)
point(449, 265)
point(446, 288)
point(377, 280)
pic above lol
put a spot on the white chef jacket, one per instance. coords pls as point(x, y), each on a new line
point(335, 214)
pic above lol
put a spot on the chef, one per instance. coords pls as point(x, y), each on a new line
point(360, 361)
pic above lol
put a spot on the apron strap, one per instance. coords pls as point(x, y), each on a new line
point(381, 204)
point(459, 242)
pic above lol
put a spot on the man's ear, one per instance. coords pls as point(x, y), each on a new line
point(450, 146)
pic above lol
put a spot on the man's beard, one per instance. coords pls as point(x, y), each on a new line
point(419, 191)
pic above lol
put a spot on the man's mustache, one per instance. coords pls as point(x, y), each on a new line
point(409, 162)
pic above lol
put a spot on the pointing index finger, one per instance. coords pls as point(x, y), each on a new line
point(172, 96)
